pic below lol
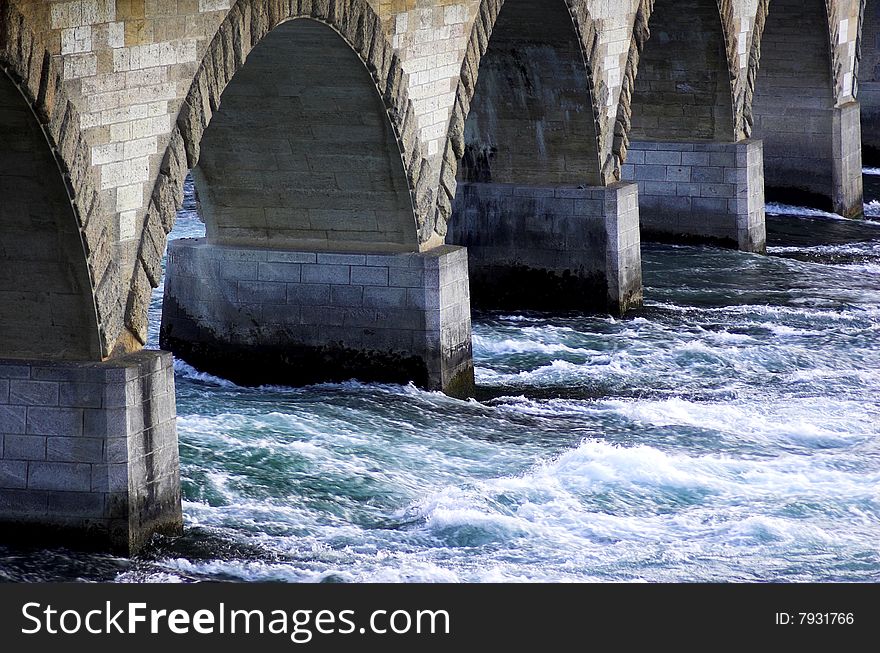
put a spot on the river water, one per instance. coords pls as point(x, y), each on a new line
point(729, 432)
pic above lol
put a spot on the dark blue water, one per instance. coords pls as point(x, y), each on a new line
point(731, 431)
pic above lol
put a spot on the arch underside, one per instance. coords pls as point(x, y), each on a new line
point(531, 118)
point(246, 26)
point(683, 88)
point(527, 204)
point(46, 300)
point(301, 153)
point(793, 103)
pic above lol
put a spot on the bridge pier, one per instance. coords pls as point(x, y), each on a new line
point(803, 107)
point(259, 316)
point(846, 183)
point(88, 452)
point(817, 152)
point(550, 247)
point(700, 191)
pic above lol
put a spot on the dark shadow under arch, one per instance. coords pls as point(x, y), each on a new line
point(301, 153)
point(683, 86)
point(531, 118)
point(793, 103)
point(47, 308)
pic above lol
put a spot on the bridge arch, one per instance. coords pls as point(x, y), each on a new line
point(531, 117)
point(526, 79)
point(684, 80)
point(792, 105)
point(348, 33)
point(680, 132)
point(301, 152)
point(522, 183)
point(52, 240)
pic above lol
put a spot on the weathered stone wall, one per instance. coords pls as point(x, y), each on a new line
point(430, 38)
point(794, 98)
point(88, 451)
point(267, 316)
point(46, 297)
point(125, 67)
point(532, 118)
point(530, 206)
point(695, 181)
point(128, 68)
point(294, 158)
point(683, 87)
point(593, 49)
point(801, 107)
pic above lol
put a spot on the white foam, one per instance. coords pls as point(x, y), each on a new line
point(862, 248)
point(871, 171)
point(597, 466)
point(784, 330)
point(485, 345)
point(187, 371)
point(596, 511)
point(790, 419)
point(151, 577)
point(776, 208)
point(872, 210)
point(776, 474)
point(597, 505)
point(560, 371)
point(781, 312)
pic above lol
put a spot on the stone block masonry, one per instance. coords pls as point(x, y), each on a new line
point(846, 187)
point(550, 248)
point(700, 192)
point(125, 90)
point(259, 316)
point(88, 452)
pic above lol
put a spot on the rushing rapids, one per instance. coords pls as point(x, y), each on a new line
point(730, 431)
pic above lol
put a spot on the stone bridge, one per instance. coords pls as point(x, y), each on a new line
point(366, 169)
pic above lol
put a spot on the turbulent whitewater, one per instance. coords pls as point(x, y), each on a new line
point(729, 432)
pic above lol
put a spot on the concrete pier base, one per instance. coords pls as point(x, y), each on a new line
point(814, 156)
point(88, 452)
point(700, 192)
point(550, 248)
point(259, 316)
